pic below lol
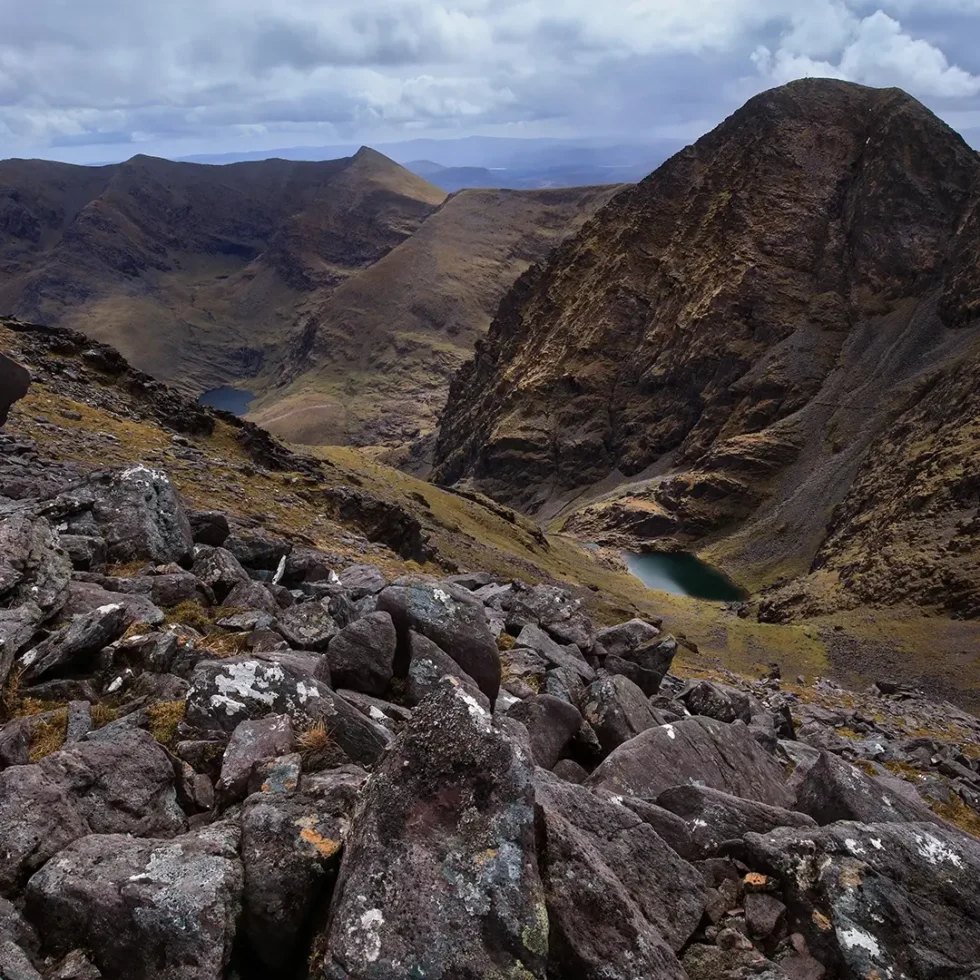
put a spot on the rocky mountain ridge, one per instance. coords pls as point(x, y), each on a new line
point(761, 352)
point(227, 751)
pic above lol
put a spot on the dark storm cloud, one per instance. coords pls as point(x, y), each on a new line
point(206, 75)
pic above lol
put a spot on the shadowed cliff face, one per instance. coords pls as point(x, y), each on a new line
point(735, 331)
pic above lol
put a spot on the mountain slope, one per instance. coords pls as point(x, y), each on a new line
point(716, 359)
point(374, 362)
point(196, 272)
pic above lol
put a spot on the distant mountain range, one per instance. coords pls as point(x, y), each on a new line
point(492, 161)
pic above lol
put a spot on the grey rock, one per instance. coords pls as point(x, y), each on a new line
point(695, 751)
point(251, 742)
point(645, 665)
point(534, 638)
point(17, 628)
point(219, 570)
point(291, 847)
point(439, 875)
point(148, 909)
point(888, 899)
point(85, 597)
point(833, 790)
point(551, 724)
point(617, 710)
point(15, 380)
point(570, 771)
point(85, 635)
point(227, 692)
point(75, 966)
point(279, 775)
point(86, 552)
point(362, 580)
point(257, 550)
point(362, 655)
point(15, 964)
point(713, 963)
point(79, 720)
point(307, 626)
point(122, 784)
point(714, 817)
point(625, 637)
point(428, 664)
point(717, 701)
point(452, 618)
point(253, 597)
point(620, 902)
point(209, 527)
point(764, 913)
point(33, 565)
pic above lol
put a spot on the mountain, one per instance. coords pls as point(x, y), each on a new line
point(196, 272)
point(374, 361)
point(766, 351)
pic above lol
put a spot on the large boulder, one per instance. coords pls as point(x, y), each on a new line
point(717, 701)
point(225, 693)
point(439, 876)
point(714, 817)
point(620, 901)
point(362, 655)
point(551, 725)
point(619, 640)
point(697, 752)
point(33, 565)
point(140, 516)
point(570, 658)
point(219, 570)
point(879, 900)
point(454, 619)
point(833, 790)
point(617, 710)
point(554, 610)
point(147, 909)
point(122, 784)
point(646, 665)
point(15, 379)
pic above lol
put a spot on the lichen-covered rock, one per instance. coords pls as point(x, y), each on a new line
point(617, 710)
point(428, 664)
point(362, 580)
point(307, 626)
point(139, 514)
point(695, 751)
point(620, 901)
point(615, 641)
point(569, 657)
point(555, 611)
point(33, 565)
point(361, 656)
point(439, 876)
point(454, 619)
point(227, 692)
point(717, 701)
point(291, 849)
point(887, 900)
point(17, 629)
point(219, 570)
point(115, 784)
point(645, 665)
point(15, 964)
point(250, 743)
point(147, 909)
point(551, 725)
point(714, 817)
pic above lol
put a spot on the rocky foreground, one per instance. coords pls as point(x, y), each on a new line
point(224, 754)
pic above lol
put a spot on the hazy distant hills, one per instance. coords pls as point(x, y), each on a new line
point(490, 161)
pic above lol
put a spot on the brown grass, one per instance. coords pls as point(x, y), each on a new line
point(314, 738)
point(49, 735)
point(190, 613)
point(103, 714)
point(224, 644)
point(958, 814)
point(164, 719)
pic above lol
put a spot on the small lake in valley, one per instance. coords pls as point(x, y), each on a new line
point(234, 400)
point(683, 574)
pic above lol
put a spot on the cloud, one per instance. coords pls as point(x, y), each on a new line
point(186, 76)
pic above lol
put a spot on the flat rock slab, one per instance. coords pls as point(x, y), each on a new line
point(15, 380)
point(694, 752)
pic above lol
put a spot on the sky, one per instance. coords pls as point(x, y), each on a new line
point(101, 80)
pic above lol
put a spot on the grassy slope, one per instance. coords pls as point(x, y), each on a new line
point(389, 339)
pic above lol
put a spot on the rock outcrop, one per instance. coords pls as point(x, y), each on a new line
point(777, 325)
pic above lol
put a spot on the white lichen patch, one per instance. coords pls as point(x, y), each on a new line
point(669, 729)
point(304, 693)
point(365, 934)
point(935, 851)
point(444, 597)
point(476, 710)
point(876, 844)
point(229, 705)
point(854, 938)
point(853, 846)
point(250, 680)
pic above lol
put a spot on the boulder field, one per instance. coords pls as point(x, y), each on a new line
point(221, 757)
